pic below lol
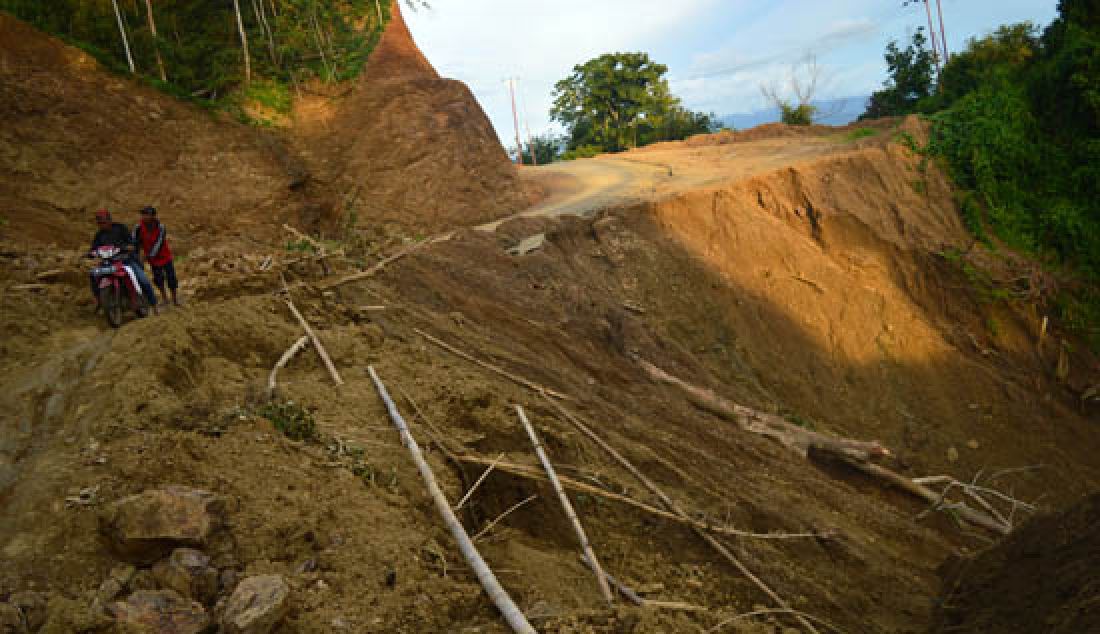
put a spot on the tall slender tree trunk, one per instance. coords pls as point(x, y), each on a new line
point(320, 44)
point(244, 43)
point(156, 42)
point(378, 7)
point(125, 40)
point(261, 19)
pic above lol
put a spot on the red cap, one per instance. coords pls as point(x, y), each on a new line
point(102, 216)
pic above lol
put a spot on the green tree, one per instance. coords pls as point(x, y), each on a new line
point(1008, 50)
point(911, 71)
point(621, 100)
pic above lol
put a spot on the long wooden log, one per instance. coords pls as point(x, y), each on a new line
point(567, 506)
point(531, 385)
point(856, 453)
point(321, 352)
point(281, 363)
point(508, 608)
point(718, 546)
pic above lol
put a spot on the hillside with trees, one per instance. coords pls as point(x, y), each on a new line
point(1016, 118)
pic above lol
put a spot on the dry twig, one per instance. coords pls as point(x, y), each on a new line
point(481, 479)
point(283, 360)
point(515, 507)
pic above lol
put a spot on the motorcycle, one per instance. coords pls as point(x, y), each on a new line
point(116, 285)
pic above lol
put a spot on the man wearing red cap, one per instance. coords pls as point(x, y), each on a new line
point(117, 235)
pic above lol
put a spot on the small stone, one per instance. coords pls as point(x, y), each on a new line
point(145, 527)
point(227, 581)
point(159, 612)
point(952, 454)
point(257, 605)
point(973, 444)
point(123, 573)
point(188, 572)
point(528, 244)
point(143, 580)
point(108, 590)
point(11, 620)
point(339, 623)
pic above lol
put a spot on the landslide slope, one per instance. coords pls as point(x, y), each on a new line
point(818, 290)
point(415, 150)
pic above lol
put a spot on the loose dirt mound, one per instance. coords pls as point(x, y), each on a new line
point(418, 150)
point(1041, 579)
point(76, 138)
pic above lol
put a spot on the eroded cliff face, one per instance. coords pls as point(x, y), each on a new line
point(418, 149)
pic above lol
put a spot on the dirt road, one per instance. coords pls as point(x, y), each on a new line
point(583, 186)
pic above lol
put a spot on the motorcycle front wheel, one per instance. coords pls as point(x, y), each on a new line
point(110, 298)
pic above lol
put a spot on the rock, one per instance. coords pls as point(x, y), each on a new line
point(257, 605)
point(973, 444)
point(69, 616)
point(952, 454)
point(145, 527)
point(159, 612)
point(108, 590)
point(143, 580)
point(33, 605)
point(123, 573)
point(11, 620)
point(528, 244)
point(227, 581)
point(188, 572)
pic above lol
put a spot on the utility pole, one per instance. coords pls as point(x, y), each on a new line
point(943, 33)
point(515, 118)
point(932, 33)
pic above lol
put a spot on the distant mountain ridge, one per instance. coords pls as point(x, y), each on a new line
point(839, 111)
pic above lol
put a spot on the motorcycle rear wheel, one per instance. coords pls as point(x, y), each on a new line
point(110, 299)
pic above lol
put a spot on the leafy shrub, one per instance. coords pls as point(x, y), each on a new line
point(295, 421)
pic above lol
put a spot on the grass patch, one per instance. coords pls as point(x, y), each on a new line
point(859, 133)
point(295, 421)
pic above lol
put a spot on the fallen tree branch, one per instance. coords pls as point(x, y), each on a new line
point(496, 592)
point(791, 436)
point(321, 352)
point(641, 601)
point(531, 473)
point(567, 506)
point(672, 506)
point(856, 453)
point(749, 615)
point(515, 507)
point(377, 268)
point(283, 360)
point(481, 479)
point(492, 368)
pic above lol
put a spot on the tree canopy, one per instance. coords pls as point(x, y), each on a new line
point(622, 100)
point(911, 78)
point(201, 46)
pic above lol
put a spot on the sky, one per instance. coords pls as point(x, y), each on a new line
point(719, 52)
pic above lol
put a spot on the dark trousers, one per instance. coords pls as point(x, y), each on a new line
point(161, 274)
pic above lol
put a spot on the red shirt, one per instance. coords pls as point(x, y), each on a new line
point(153, 241)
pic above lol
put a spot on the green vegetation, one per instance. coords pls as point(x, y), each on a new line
point(619, 101)
point(859, 133)
point(198, 50)
point(292, 419)
point(802, 114)
point(1016, 120)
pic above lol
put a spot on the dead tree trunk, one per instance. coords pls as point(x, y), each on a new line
point(156, 43)
point(125, 40)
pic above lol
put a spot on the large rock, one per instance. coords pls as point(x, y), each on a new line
point(159, 612)
point(145, 527)
point(188, 572)
point(257, 605)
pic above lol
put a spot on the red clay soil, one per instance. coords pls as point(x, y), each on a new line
point(1044, 578)
point(419, 149)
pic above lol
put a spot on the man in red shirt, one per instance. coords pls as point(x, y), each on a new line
point(151, 238)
